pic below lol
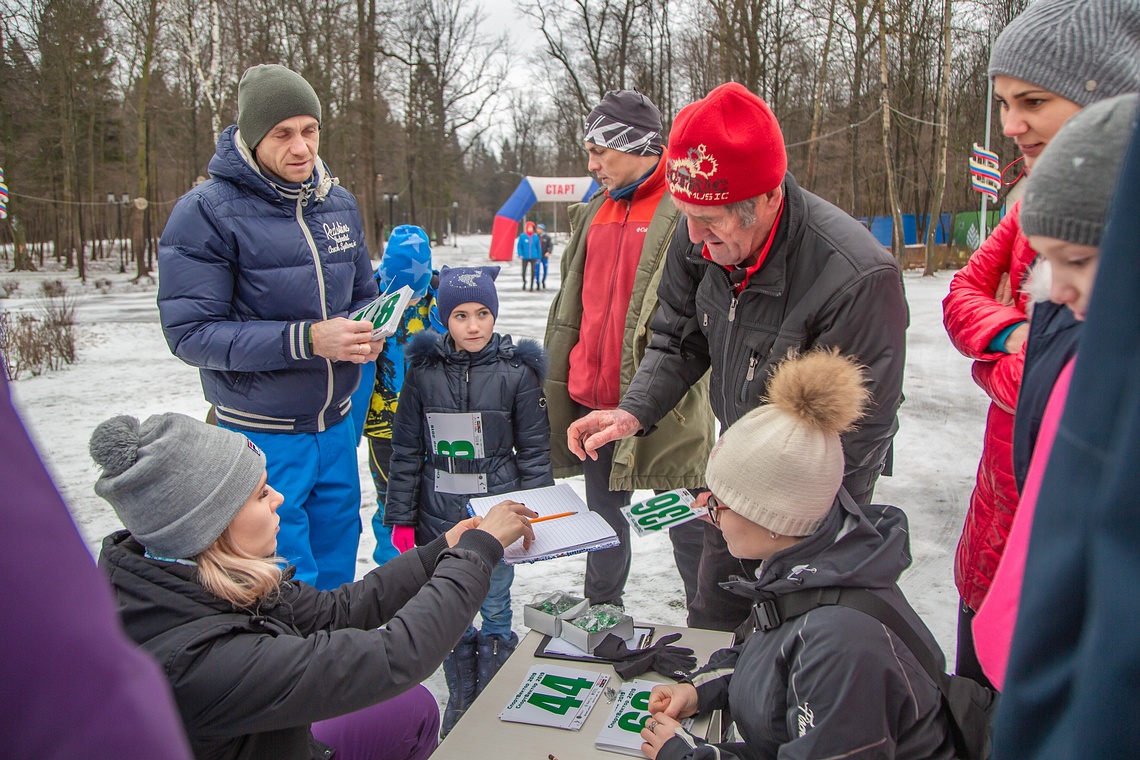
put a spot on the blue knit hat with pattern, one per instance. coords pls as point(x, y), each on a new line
point(406, 261)
point(461, 285)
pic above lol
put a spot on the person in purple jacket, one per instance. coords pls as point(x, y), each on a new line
point(71, 684)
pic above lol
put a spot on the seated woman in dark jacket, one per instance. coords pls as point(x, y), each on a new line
point(834, 681)
point(263, 666)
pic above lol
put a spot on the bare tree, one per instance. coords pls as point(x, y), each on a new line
point(817, 106)
point(897, 245)
point(201, 38)
point(454, 72)
point(943, 137)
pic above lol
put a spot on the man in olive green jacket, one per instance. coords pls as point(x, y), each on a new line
point(597, 334)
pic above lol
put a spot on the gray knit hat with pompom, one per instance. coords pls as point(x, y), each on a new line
point(175, 482)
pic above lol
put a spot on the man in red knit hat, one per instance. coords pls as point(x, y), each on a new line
point(757, 267)
point(595, 337)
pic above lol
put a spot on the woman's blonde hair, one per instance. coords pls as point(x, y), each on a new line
point(242, 579)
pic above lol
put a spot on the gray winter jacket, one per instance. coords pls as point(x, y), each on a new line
point(833, 682)
point(503, 382)
point(826, 282)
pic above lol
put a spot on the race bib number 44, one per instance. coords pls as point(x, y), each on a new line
point(555, 696)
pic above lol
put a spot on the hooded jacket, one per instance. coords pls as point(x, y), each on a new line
point(973, 317)
point(246, 266)
point(676, 454)
point(833, 682)
point(503, 383)
point(248, 683)
point(825, 282)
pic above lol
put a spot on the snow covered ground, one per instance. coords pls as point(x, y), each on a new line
point(125, 367)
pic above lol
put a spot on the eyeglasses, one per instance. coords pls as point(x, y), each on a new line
point(716, 506)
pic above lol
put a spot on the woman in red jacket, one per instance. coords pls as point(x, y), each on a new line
point(1041, 77)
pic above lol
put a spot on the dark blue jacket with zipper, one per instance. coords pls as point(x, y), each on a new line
point(503, 382)
point(246, 266)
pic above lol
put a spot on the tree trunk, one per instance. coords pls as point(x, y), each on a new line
point(856, 101)
point(138, 234)
point(943, 120)
point(366, 57)
point(817, 114)
point(898, 247)
point(21, 257)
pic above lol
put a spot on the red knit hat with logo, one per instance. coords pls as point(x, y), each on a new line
point(724, 148)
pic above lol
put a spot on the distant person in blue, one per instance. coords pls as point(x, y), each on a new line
point(529, 248)
point(406, 262)
point(259, 269)
point(470, 370)
point(547, 245)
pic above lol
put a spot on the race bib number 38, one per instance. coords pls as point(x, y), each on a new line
point(662, 511)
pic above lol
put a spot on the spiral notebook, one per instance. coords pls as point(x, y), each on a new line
point(583, 531)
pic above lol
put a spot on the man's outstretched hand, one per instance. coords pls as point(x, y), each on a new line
point(585, 436)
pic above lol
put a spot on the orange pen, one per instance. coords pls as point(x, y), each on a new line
point(552, 517)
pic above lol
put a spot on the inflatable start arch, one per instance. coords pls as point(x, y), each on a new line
point(529, 192)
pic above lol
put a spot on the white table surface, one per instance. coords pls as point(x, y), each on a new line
point(480, 735)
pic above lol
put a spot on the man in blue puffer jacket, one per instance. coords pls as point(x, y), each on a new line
point(258, 270)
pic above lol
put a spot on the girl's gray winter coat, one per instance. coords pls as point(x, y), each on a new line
point(503, 382)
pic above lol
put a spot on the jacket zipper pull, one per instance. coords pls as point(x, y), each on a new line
point(752, 368)
point(732, 310)
point(706, 320)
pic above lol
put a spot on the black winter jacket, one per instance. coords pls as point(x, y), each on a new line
point(826, 282)
point(249, 683)
point(1053, 337)
point(833, 682)
point(503, 382)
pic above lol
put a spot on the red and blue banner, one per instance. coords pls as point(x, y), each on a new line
point(985, 177)
point(529, 192)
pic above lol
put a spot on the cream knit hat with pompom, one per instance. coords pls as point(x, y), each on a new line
point(781, 465)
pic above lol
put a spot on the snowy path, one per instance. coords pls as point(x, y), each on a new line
point(126, 368)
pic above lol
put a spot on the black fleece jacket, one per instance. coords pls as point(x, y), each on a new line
point(248, 683)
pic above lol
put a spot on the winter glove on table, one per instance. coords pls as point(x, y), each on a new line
point(670, 661)
point(403, 537)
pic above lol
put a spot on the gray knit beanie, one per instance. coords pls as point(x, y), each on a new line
point(175, 482)
point(1069, 191)
point(269, 94)
point(1082, 50)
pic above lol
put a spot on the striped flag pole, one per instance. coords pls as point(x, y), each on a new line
point(3, 196)
point(982, 221)
point(985, 176)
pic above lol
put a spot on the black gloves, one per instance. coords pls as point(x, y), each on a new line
point(674, 662)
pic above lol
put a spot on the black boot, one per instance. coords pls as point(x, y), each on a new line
point(460, 672)
point(493, 652)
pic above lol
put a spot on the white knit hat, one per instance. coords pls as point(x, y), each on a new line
point(781, 465)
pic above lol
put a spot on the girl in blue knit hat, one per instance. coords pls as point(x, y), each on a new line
point(471, 422)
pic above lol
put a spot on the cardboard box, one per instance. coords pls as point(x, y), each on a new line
point(551, 625)
point(587, 641)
